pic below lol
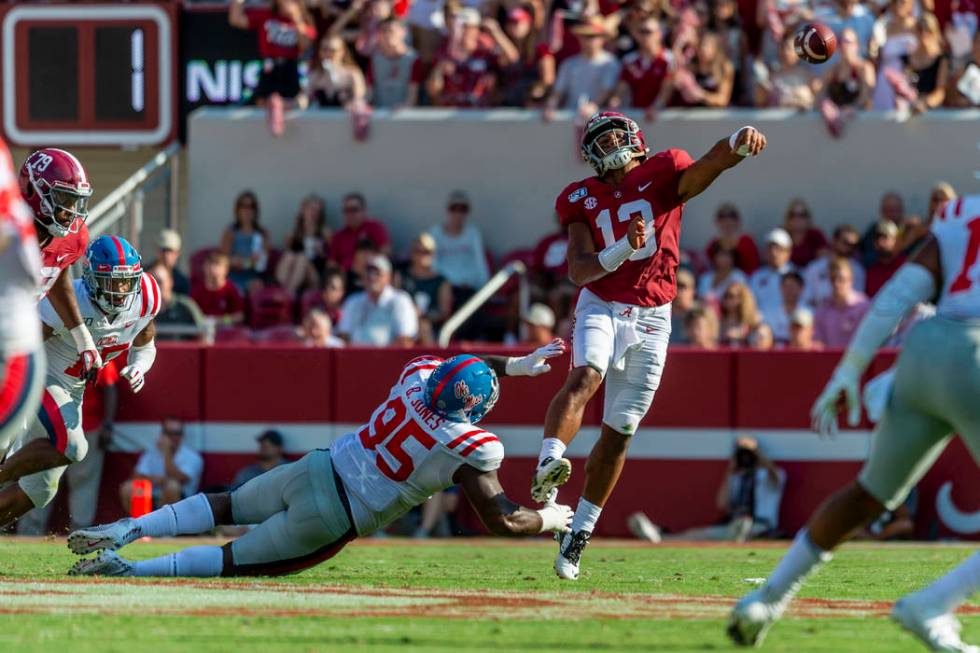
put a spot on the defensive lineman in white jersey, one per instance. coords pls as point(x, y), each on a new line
point(422, 439)
point(936, 386)
point(117, 301)
point(21, 354)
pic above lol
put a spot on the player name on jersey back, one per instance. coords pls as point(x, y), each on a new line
point(957, 230)
point(407, 452)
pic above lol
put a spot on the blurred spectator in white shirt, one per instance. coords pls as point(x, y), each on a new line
point(381, 315)
point(460, 256)
point(587, 78)
point(778, 317)
point(765, 281)
point(723, 273)
point(171, 466)
point(816, 276)
point(317, 330)
point(540, 325)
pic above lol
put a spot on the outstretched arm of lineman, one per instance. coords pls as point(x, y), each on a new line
point(502, 516)
point(534, 364)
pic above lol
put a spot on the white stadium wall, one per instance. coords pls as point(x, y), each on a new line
point(513, 165)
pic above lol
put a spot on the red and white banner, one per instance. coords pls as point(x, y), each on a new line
point(229, 394)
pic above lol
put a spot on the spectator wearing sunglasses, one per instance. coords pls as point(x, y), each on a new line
point(460, 256)
point(728, 226)
point(843, 245)
point(808, 241)
point(246, 243)
point(357, 227)
point(381, 315)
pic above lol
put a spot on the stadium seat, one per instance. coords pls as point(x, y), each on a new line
point(309, 300)
point(270, 307)
point(233, 335)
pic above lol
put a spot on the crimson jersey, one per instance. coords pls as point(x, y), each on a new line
point(650, 190)
point(58, 254)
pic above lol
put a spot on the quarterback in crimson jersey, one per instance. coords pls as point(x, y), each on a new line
point(54, 184)
point(623, 250)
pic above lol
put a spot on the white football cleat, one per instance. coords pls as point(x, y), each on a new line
point(752, 617)
point(550, 473)
point(939, 631)
point(107, 563)
point(570, 546)
point(109, 537)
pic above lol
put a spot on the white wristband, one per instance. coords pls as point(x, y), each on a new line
point(83, 339)
point(744, 149)
point(142, 357)
point(511, 366)
point(616, 254)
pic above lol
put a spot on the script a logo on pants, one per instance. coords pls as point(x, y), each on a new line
point(956, 520)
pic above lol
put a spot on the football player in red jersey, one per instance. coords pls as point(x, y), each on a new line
point(623, 250)
point(55, 186)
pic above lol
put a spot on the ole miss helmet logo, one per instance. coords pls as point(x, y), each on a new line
point(462, 392)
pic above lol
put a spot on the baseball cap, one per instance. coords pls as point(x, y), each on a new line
point(519, 15)
point(593, 25)
point(886, 228)
point(802, 317)
point(540, 315)
point(779, 236)
point(458, 197)
point(379, 262)
point(169, 239)
point(468, 16)
point(272, 436)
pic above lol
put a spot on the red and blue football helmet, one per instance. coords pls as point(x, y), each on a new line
point(111, 273)
point(462, 389)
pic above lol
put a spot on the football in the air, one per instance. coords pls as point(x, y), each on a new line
point(815, 42)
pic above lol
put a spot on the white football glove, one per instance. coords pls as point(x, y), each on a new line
point(135, 377)
point(534, 363)
point(556, 517)
point(823, 416)
point(88, 353)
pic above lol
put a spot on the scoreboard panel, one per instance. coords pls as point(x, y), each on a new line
point(88, 74)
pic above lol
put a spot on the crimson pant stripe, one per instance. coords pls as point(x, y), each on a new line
point(452, 373)
point(16, 386)
point(54, 424)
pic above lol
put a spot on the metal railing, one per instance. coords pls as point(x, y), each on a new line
point(124, 206)
point(482, 295)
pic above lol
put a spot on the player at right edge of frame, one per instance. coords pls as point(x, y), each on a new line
point(934, 394)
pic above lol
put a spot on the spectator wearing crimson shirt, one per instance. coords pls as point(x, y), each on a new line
point(728, 224)
point(525, 82)
point(808, 241)
point(85, 477)
point(285, 31)
point(357, 227)
point(216, 295)
point(888, 258)
point(394, 70)
point(465, 70)
point(644, 71)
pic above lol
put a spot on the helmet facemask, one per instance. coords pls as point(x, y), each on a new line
point(115, 289)
point(611, 142)
point(61, 201)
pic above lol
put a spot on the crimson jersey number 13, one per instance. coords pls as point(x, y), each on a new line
point(625, 213)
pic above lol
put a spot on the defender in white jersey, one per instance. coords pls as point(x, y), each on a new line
point(421, 440)
point(21, 355)
point(936, 385)
point(117, 301)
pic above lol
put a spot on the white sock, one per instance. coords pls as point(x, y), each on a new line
point(551, 447)
point(802, 558)
point(190, 516)
point(586, 515)
point(955, 587)
point(198, 561)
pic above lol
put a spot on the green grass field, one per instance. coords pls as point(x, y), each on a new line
point(462, 595)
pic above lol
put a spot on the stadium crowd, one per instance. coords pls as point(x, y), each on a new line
point(909, 55)
point(798, 288)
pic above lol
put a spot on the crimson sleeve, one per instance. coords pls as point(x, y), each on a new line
point(568, 204)
point(670, 164)
point(256, 17)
